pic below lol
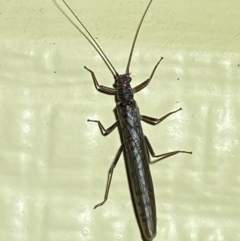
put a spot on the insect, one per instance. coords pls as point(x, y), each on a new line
point(135, 145)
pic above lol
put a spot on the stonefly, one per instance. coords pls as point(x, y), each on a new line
point(135, 145)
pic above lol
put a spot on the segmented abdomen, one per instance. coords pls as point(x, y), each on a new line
point(137, 166)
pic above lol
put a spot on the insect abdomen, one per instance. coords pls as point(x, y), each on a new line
point(140, 182)
point(137, 166)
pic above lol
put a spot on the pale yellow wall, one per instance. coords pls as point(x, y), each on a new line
point(53, 164)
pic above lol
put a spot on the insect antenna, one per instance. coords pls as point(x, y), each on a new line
point(92, 41)
point(135, 38)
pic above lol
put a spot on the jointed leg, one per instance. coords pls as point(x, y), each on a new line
point(104, 131)
point(146, 82)
point(101, 88)
point(155, 121)
point(164, 155)
point(109, 179)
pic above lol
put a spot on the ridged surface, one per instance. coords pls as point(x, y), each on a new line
point(53, 164)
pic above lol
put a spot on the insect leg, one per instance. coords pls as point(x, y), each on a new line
point(104, 131)
point(100, 88)
point(109, 179)
point(155, 121)
point(146, 82)
point(164, 155)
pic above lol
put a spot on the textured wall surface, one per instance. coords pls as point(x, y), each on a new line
point(54, 164)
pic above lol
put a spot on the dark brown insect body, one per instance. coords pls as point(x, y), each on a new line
point(135, 145)
point(136, 159)
point(137, 165)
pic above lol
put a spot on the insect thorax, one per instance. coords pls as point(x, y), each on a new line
point(123, 87)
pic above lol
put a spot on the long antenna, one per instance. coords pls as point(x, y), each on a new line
point(135, 38)
point(90, 39)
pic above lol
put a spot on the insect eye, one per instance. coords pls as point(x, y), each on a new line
point(126, 103)
point(123, 104)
